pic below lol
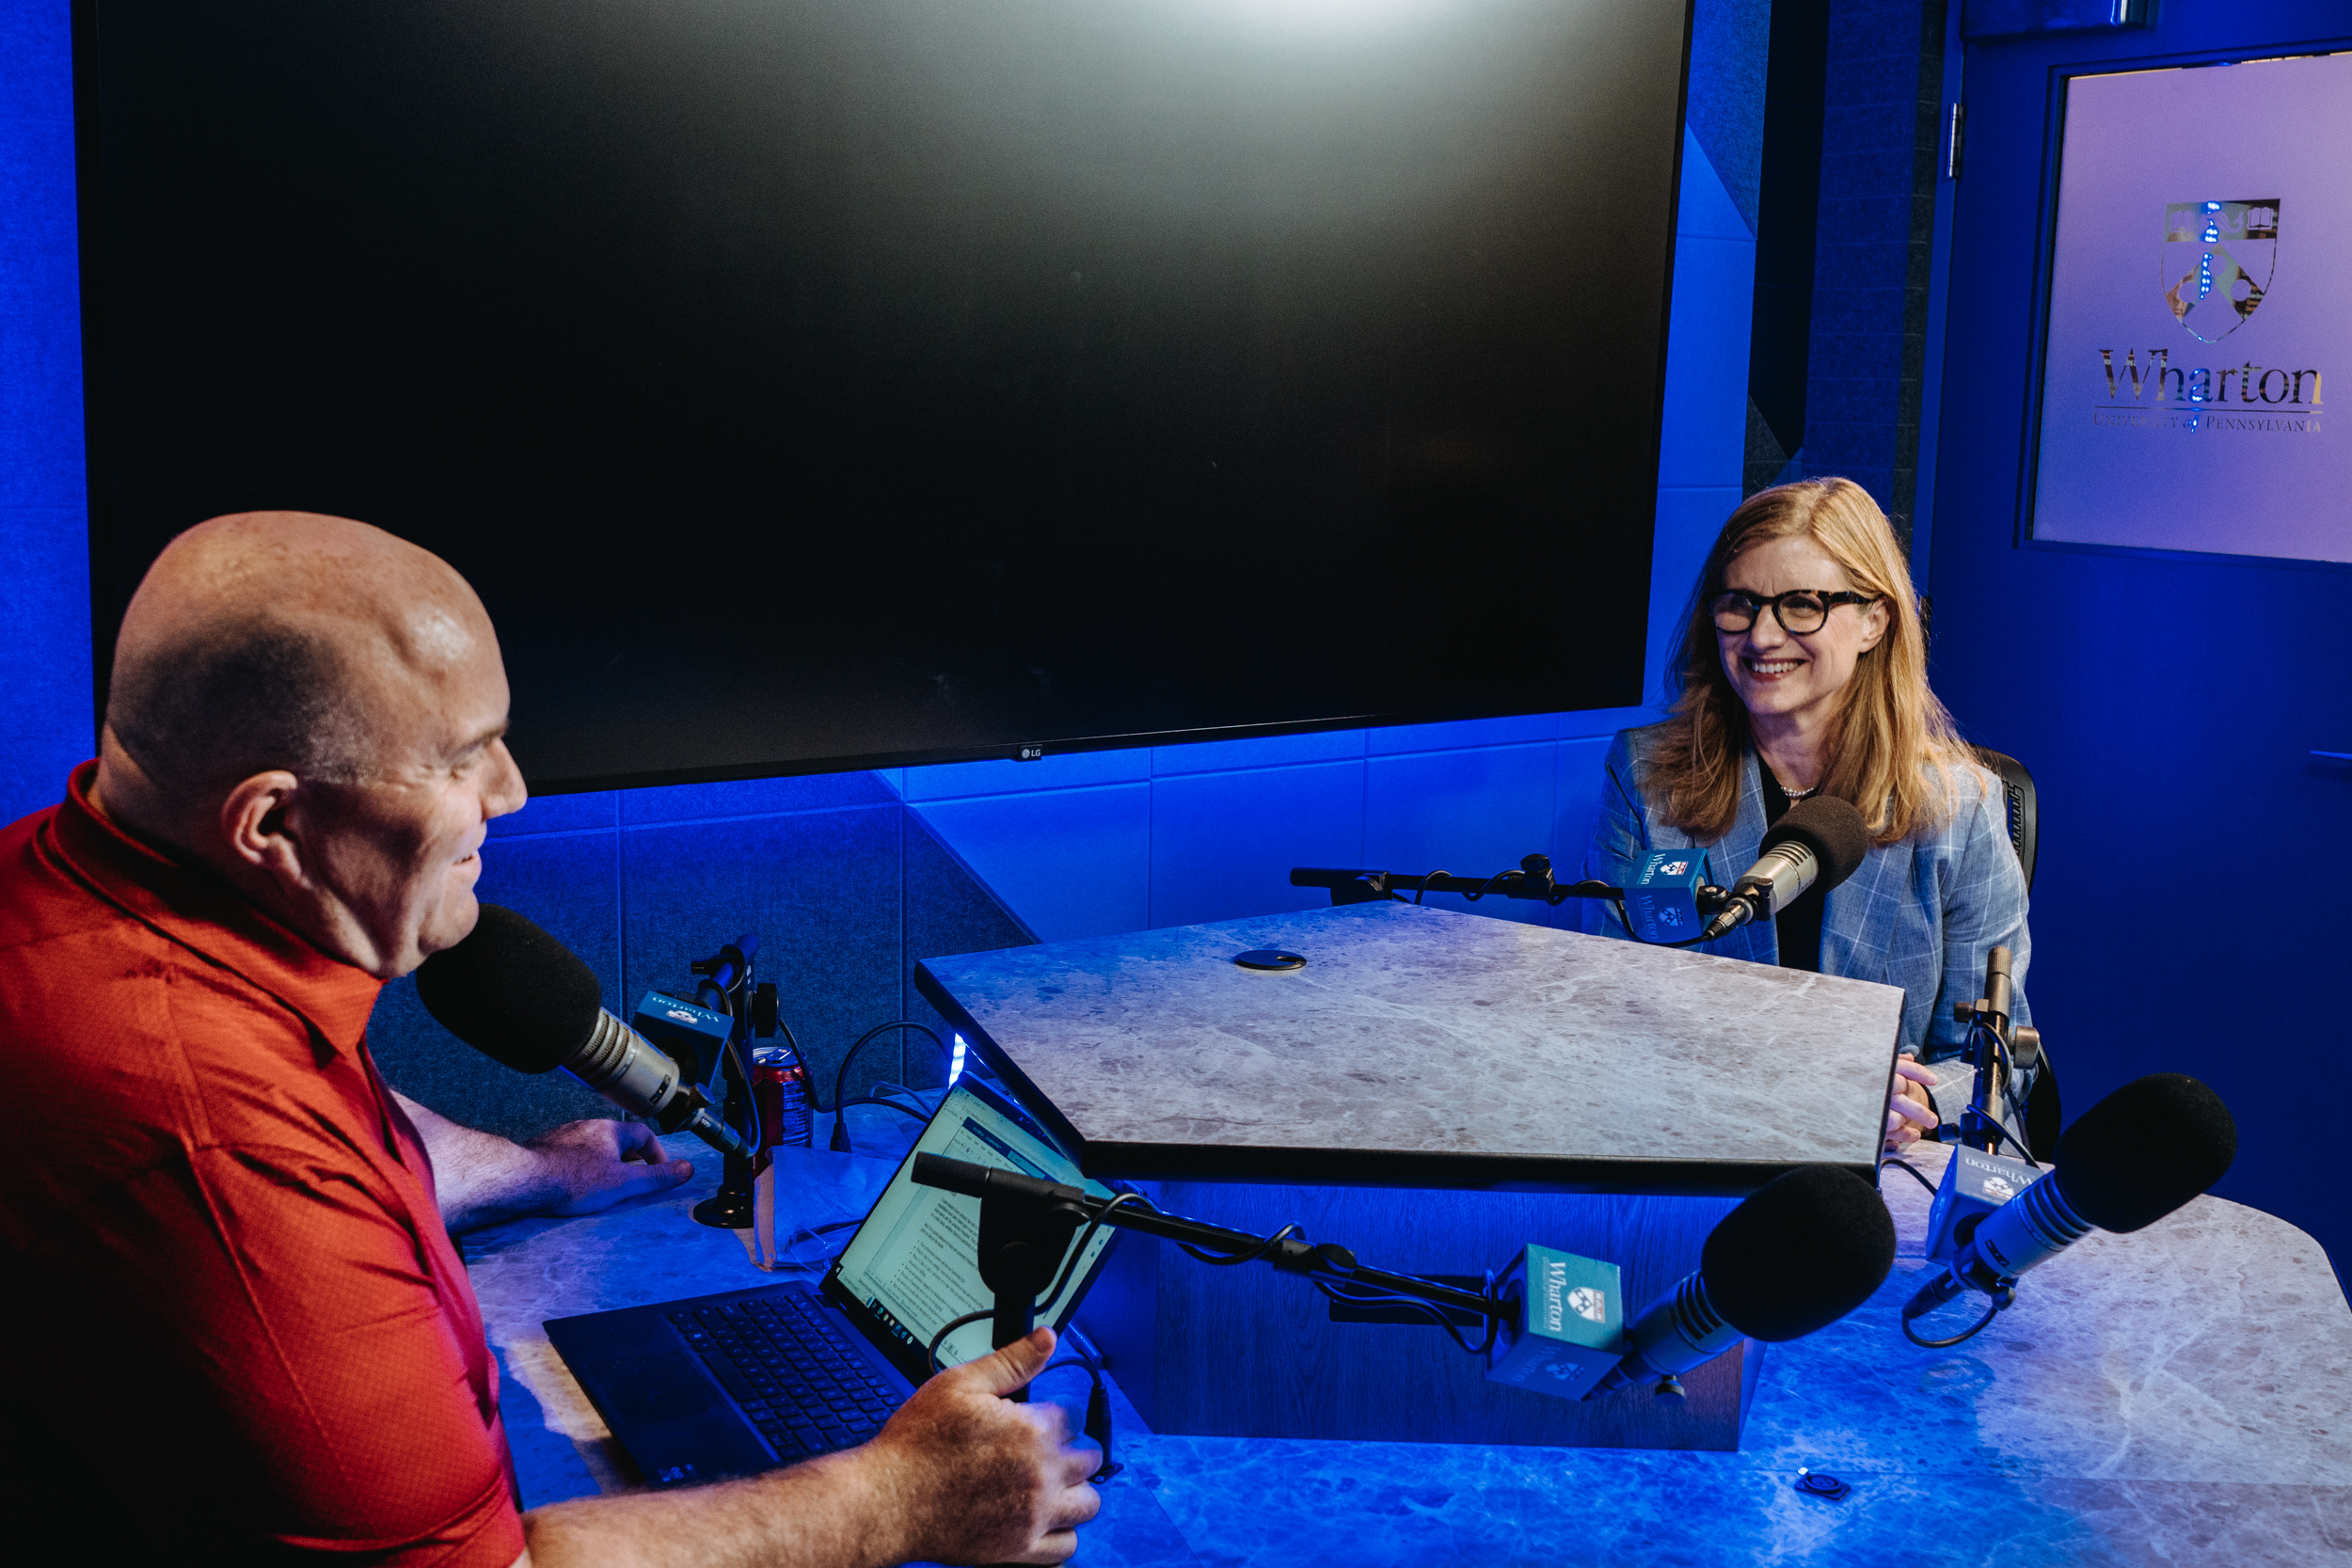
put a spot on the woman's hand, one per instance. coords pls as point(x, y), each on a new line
point(1908, 1116)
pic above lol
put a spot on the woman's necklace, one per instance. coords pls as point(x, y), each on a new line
point(1794, 796)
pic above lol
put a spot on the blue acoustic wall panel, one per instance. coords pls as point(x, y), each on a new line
point(568, 881)
point(44, 555)
point(1576, 800)
point(1069, 863)
point(819, 888)
point(1882, 94)
point(843, 899)
point(1725, 108)
point(1223, 844)
point(1473, 812)
point(747, 797)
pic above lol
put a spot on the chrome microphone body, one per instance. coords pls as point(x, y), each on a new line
point(1820, 842)
point(1778, 880)
point(636, 1075)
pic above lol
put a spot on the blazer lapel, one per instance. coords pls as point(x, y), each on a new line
point(1731, 856)
point(1858, 917)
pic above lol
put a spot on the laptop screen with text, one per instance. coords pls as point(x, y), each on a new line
point(913, 1267)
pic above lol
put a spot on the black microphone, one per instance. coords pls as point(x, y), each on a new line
point(1799, 1252)
point(519, 996)
point(1821, 840)
point(2125, 1163)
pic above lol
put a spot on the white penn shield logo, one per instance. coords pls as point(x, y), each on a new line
point(2218, 262)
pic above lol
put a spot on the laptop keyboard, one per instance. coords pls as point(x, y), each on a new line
point(789, 1369)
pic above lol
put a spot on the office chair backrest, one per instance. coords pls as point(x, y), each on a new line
point(2018, 784)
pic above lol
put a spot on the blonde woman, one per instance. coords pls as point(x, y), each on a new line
point(1802, 670)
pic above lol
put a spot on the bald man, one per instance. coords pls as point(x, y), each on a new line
point(240, 1324)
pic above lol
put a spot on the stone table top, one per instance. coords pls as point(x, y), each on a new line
point(1424, 1047)
point(2178, 1396)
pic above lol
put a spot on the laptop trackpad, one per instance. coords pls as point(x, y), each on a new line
point(675, 1423)
point(658, 1389)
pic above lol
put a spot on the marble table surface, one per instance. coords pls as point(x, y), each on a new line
point(2183, 1395)
point(1424, 1047)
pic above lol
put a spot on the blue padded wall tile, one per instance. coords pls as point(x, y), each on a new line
point(821, 890)
point(561, 813)
point(1704, 209)
point(46, 725)
point(1687, 522)
point(1609, 720)
point(1884, 169)
point(1066, 771)
point(45, 719)
point(1581, 780)
point(1223, 844)
point(949, 910)
point(700, 802)
point(1472, 813)
point(571, 886)
point(40, 367)
point(1729, 43)
point(1273, 751)
point(36, 60)
point(1849, 398)
point(1071, 863)
point(1863, 262)
point(1457, 734)
point(1704, 438)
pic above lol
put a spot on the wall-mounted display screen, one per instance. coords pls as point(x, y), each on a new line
point(824, 383)
point(2197, 306)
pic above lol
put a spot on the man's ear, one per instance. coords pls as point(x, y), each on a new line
point(253, 825)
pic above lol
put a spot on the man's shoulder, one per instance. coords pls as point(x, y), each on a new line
point(102, 1010)
point(38, 899)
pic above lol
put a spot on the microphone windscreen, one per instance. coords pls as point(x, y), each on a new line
point(1799, 1252)
point(2144, 1150)
point(1834, 830)
point(513, 992)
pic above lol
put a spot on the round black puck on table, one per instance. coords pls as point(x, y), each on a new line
point(1270, 957)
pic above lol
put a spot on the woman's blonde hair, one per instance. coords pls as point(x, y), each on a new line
point(1891, 750)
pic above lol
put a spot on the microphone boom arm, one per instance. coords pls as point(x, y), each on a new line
point(1022, 1211)
point(1533, 880)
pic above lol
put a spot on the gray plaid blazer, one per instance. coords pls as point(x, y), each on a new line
point(1920, 915)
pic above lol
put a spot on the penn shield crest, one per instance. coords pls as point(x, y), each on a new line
point(2218, 262)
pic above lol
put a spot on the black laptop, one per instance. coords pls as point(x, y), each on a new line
point(743, 1380)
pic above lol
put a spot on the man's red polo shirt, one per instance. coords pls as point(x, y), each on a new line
point(237, 1329)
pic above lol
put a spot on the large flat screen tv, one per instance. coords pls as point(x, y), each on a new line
point(811, 384)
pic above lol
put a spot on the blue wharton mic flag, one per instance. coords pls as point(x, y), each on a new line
point(1662, 897)
point(1570, 1327)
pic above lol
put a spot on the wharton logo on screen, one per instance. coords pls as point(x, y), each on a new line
point(2245, 396)
point(2218, 256)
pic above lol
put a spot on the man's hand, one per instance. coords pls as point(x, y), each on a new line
point(960, 1475)
point(480, 1178)
point(979, 1479)
point(1908, 1116)
point(592, 1165)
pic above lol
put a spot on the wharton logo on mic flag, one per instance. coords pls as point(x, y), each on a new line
point(1571, 1324)
point(2218, 258)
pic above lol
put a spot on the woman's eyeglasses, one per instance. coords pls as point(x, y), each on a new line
point(1799, 612)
